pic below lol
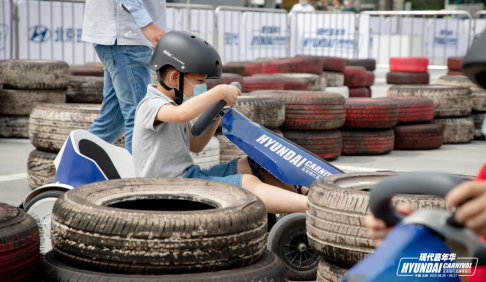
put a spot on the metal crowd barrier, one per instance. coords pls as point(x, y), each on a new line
point(5, 29)
point(198, 19)
point(479, 24)
point(323, 33)
point(246, 34)
point(417, 33)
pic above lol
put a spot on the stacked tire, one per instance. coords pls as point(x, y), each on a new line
point(478, 101)
point(368, 129)
point(332, 72)
point(27, 84)
point(353, 76)
point(267, 111)
point(246, 68)
point(131, 235)
point(336, 208)
point(454, 64)
point(312, 119)
point(452, 108)
point(19, 244)
point(408, 70)
point(414, 130)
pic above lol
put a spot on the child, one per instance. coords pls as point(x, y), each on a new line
point(162, 136)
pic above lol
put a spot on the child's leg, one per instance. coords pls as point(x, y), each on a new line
point(243, 167)
point(276, 200)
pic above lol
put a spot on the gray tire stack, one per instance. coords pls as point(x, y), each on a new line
point(160, 229)
point(452, 104)
point(478, 103)
point(336, 209)
point(26, 84)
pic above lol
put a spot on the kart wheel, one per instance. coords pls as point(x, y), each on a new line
point(288, 240)
point(40, 208)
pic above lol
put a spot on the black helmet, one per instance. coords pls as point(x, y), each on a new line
point(188, 53)
point(474, 63)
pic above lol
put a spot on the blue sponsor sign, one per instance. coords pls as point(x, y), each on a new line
point(268, 36)
point(285, 160)
point(39, 33)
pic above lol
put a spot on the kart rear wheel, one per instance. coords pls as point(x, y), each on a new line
point(288, 240)
point(40, 208)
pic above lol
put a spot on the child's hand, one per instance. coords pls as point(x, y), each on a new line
point(378, 229)
point(231, 93)
point(472, 213)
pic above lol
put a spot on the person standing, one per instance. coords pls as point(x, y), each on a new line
point(124, 33)
point(302, 6)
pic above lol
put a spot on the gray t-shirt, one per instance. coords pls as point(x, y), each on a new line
point(163, 150)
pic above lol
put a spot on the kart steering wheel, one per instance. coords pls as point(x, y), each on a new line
point(437, 184)
point(209, 116)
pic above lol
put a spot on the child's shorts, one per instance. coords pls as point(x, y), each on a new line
point(225, 173)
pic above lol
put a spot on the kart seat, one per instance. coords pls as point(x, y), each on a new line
point(93, 151)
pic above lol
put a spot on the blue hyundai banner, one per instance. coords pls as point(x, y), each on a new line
point(282, 158)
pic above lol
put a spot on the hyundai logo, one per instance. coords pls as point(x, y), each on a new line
point(39, 34)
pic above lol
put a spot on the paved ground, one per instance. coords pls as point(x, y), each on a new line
point(460, 159)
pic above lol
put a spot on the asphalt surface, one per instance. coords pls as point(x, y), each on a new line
point(459, 159)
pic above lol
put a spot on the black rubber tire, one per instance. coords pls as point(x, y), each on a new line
point(238, 69)
point(326, 144)
point(478, 125)
point(268, 268)
point(449, 101)
point(19, 244)
point(336, 208)
point(298, 81)
point(292, 229)
point(50, 124)
point(310, 110)
point(457, 130)
point(87, 71)
point(478, 94)
point(34, 74)
point(43, 220)
point(18, 102)
point(14, 127)
point(333, 79)
point(367, 142)
point(394, 77)
point(226, 78)
point(368, 64)
point(85, 89)
point(418, 136)
point(136, 237)
point(330, 271)
point(40, 168)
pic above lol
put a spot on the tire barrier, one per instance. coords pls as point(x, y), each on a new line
point(368, 64)
point(413, 109)
point(370, 113)
point(478, 94)
point(407, 78)
point(299, 81)
point(306, 110)
point(449, 101)
point(19, 244)
point(251, 68)
point(86, 71)
point(14, 127)
point(370, 78)
point(85, 89)
point(457, 130)
point(141, 242)
point(293, 65)
point(359, 92)
point(455, 63)
point(336, 208)
point(418, 136)
point(226, 78)
point(34, 74)
point(325, 144)
point(354, 76)
point(367, 142)
point(409, 64)
point(209, 156)
point(333, 79)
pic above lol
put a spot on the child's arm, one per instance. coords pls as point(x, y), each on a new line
point(198, 143)
point(195, 106)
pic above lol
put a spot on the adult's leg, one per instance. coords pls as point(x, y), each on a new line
point(243, 167)
point(109, 125)
point(276, 199)
point(131, 76)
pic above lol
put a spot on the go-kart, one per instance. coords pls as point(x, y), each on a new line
point(427, 245)
point(85, 158)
